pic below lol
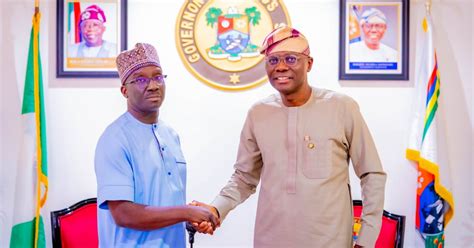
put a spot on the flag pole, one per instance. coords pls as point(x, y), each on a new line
point(36, 22)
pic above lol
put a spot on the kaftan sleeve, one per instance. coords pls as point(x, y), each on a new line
point(368, 168)
point(246, 176)
point(113, 170)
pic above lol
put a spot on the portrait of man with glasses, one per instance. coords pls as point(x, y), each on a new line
point(297, 144)
point(374, 26)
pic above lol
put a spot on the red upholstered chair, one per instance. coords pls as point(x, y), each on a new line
point(76, 226)
point(393, 227)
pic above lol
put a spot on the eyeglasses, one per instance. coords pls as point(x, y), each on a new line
point(377, 26)
point(289, 59)
point(143, 82)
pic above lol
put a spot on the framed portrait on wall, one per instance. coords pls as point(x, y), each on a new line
point(90, 34)
point(373, 41)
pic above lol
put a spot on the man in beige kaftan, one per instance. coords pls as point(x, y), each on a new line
point(297, 144)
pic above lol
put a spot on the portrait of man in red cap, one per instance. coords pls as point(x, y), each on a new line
point(92, 27)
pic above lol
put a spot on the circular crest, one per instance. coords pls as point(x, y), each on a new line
point(219, 40)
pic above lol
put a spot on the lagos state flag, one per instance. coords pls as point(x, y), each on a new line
point(354, 27)
point(435, 203)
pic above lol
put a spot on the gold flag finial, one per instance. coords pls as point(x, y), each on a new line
point(428, 6)
point(37, 7)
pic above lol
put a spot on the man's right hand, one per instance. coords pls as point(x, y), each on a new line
point(203, 219)
point(206, 227)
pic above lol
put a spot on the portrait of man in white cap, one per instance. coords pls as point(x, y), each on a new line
point(373, 24)
point(92, 28)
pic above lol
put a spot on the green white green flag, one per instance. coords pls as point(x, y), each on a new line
point(32, 181)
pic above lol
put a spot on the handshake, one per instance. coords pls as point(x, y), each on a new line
point(204, 218)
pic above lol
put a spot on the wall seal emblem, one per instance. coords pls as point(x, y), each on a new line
point(219, 41)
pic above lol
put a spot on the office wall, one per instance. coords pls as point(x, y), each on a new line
point(209, 120)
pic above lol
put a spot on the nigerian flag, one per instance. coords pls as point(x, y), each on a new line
point(31, 182)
